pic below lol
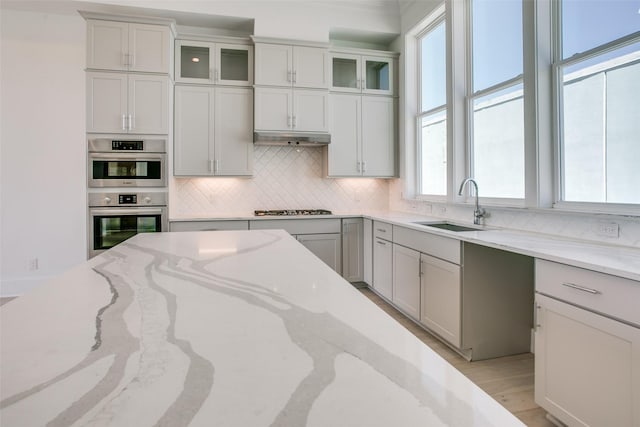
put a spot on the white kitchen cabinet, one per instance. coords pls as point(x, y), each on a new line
point(352, 249)
point(367, 251)
point(209, 225)
point(587, 369)
point(406, 280)
point(324, 246)
point(280, 109)
point(127, 103)
point(363, 139)
point(440, 306)
point(213, 63)
point(362, 73)
point(291, 66)
point(383, 259)
point(213, 131)
point(122, 46)
point(587, 344)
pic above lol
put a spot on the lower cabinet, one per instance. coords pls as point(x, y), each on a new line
point(587, 366)
point(324, 246)
point(383, 267)
point(352, 249)
point(406, 280)
point(208, 225)
point(440, 299)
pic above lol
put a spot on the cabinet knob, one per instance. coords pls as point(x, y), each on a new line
point(107, 200)
point(147, 199)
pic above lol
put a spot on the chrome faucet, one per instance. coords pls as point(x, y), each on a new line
point(478, 212)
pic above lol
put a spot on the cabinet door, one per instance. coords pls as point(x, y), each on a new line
point(107, 45)
point(587, 369)
point(149, 48)
point(352, 249)
point(377, 75)
point(343, 154)
point(310, 67)
point(378, 136)
point(273, 64)
point(345, 73)
point(195, 62)
point(233, 131)
point(310, 110)
point(148, 104)
point(234, 65)
point(440, 298)
point(383, 268)
point(106, 102)
point(406, 280)
point(194, 130)
point(273, 108)
point(367, 251)
point(324, 246)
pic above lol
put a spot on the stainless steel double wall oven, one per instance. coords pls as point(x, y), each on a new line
point(127, 190)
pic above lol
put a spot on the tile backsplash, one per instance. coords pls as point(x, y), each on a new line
point(580, 226)
point(284, 178)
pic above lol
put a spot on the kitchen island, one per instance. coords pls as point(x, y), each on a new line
point(228, 328)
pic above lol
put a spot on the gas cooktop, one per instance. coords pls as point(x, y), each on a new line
point(291, 212)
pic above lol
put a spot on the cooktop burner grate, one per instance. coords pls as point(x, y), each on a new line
point(292, 212)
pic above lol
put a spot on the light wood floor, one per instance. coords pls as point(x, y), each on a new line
point(509, 380)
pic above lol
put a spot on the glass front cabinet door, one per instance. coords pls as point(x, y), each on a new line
point(362, 74)
point(214, 63)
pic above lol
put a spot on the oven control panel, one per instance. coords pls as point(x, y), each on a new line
point(127, 199)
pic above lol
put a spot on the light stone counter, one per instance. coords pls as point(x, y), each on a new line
point(610, 259)
point(225, 328)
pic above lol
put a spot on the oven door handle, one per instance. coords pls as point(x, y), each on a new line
point(126, 211)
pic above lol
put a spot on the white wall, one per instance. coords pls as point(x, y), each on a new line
point(43, 209)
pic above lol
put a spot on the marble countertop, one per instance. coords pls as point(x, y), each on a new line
point(610, 259)
point(229, 328)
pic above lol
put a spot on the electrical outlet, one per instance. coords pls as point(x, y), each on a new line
point(608, 229)
point(32, 265)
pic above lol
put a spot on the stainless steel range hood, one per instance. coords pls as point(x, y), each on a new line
point(297, 139)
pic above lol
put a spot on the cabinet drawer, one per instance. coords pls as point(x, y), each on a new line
point(383, 230)
point(208, 225)
point(428, 243)
point(299, 226)
point(612, 296)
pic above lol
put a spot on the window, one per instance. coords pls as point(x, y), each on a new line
point(598, 69)
point(432, 117)
point(496, 99)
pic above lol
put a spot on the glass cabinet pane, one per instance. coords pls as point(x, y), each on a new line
point(345, 73)
point(234, 64)
point(377, 75)
point(194, 62)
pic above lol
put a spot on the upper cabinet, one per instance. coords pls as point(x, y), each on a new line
point(123, 46)
point(292, 66)
point(214, 63)
point(362, 73)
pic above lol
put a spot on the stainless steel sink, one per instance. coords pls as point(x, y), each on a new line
point(449, 226)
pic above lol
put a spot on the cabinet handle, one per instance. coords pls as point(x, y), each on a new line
point(382, 230)
point(582, 288)
point(363, 84)
point(216, 75)
point(216, 165)
point(295, 76)
point(364, 166)
point(359, 167)
point(124, 122)
point(380, 242)
point(131, 123)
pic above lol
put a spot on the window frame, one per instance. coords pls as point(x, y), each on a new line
point(558, 63)
point(433, 21)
